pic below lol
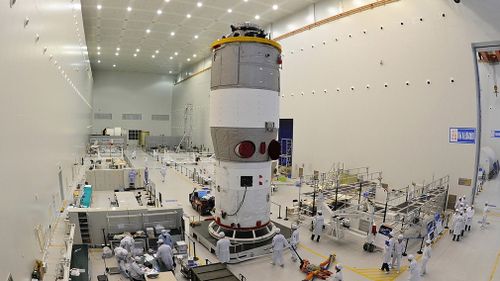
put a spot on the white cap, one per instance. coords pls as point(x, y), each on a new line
point(164, 231)
point(392, 233)
point(138, 259)
point(278, 230)
point(320, 212)
point(400, 236)
point(339, 266)
point(428, 241)
point(411, 257)
point(294, 226)
point(222, 234)
point(160, 241)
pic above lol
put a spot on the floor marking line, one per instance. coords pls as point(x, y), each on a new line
point(495, 266)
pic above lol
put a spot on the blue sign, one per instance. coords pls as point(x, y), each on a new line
point(463, 135)
point(495, 134)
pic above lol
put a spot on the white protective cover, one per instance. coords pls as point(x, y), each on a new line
point(256, 204)
point(243, 108)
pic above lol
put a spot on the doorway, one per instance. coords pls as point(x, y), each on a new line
point(285, 138)
point(487, 58)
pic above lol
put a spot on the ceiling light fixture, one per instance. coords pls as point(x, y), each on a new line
point(148, 30)
point(114, 65)
point(172, 33)
point(118, 48)
point(196, 37)
point(117, 54)
point(170, 72)
point(135, 55)
point(188, 59)
point(275, 7)
point(194, 56)
point(167, 1)
point(98, 48)
point(157, 51)
point(98, 53)
point(171, 58)
point(176, 53)
point(188, 16)
point(257, 17)
point(129, 9)
point(99, 7)
point(229, 10)
point(138, 50)
point(245, 0)
point(159, 12)
point(153, 56)
point(199, 4)
point(98, 61)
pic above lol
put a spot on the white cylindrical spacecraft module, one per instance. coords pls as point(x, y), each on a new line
point(244, 119)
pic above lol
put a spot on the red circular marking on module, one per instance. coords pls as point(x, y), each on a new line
point(245, 149)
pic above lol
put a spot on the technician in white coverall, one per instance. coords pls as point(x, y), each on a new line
point(294, 242)
point(279, 244)
point(222, 248)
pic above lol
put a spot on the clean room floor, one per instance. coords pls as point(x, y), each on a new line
point(473, 258)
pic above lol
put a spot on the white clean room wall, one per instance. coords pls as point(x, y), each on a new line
point(45, 112)
point(119, 92)
point(193, 91)
point(400, 129)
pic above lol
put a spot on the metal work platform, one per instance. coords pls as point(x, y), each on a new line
point(238, 252)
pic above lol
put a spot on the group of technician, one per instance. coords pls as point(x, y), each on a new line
point(462, 218)
point(393, 255)
point(130, 260)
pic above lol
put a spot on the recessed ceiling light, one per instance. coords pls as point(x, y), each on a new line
point(153, 56)
point(114, 65)
point(176, 53)
point(129, 9)
point(229, 10)
point(138, 50)
point(170, 72)
point(196, 37)
point(199, 4)
point(157, 51)
point(98, 48)
point(194, 56)
point(245, 0)
point(135, 55)
point(98, 53)
point(98, 61)
point(275, 7)
point(148, 30)
point(188, 16)
point(171, 58)
point(117, 54)
point(159, 12)
point(188, 59)
point(172, 33)
point(257, 17)
point(99, 7)
point(118, 48)
point(167, 1)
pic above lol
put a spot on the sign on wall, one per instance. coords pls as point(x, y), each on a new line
point(495, 134)
point(464, 181)
point(462, 135)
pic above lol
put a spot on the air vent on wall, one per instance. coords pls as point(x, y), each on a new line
point(160, 117)
point(131, 116)
point(103, 116)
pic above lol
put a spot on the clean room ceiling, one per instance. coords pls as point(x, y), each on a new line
point(162, 36)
